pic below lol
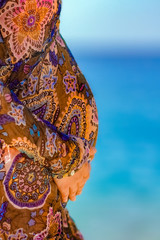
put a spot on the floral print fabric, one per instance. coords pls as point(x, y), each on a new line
point(47, 112)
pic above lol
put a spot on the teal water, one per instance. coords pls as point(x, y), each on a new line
point(121, 200)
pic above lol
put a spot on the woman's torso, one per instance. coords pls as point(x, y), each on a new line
point(37, 65)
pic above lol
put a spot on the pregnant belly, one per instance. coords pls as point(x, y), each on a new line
point(73, 115)
point(64, 99)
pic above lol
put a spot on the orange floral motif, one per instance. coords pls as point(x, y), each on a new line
point(25, 24)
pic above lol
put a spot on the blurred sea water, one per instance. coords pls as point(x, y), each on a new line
point(121, 200)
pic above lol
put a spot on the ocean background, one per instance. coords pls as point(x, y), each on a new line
point(121, 62)
point(121, 200)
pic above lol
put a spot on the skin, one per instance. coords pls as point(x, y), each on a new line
point(71, 186)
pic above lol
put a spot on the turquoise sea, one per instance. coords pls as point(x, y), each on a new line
point(121, 200)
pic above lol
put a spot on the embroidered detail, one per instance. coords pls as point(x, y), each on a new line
point(34, 131)
point(54, 226)
point(50, 144)
point(25, 146)
point(94, 120)
point(31, 222)
point(53, 57)
point(43, 104)
point(75, 117)
point(19, 235)
point(27, 183)
point(30, 87)
point(70, 82)
point(49, 80)
point(17, 114)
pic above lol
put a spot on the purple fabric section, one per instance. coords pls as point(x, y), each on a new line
point(4, 119)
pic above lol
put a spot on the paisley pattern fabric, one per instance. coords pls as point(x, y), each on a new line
point(48, 113)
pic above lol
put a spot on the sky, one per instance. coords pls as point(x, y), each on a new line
point(112, 22)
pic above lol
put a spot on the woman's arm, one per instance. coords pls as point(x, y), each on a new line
point(65, 154)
